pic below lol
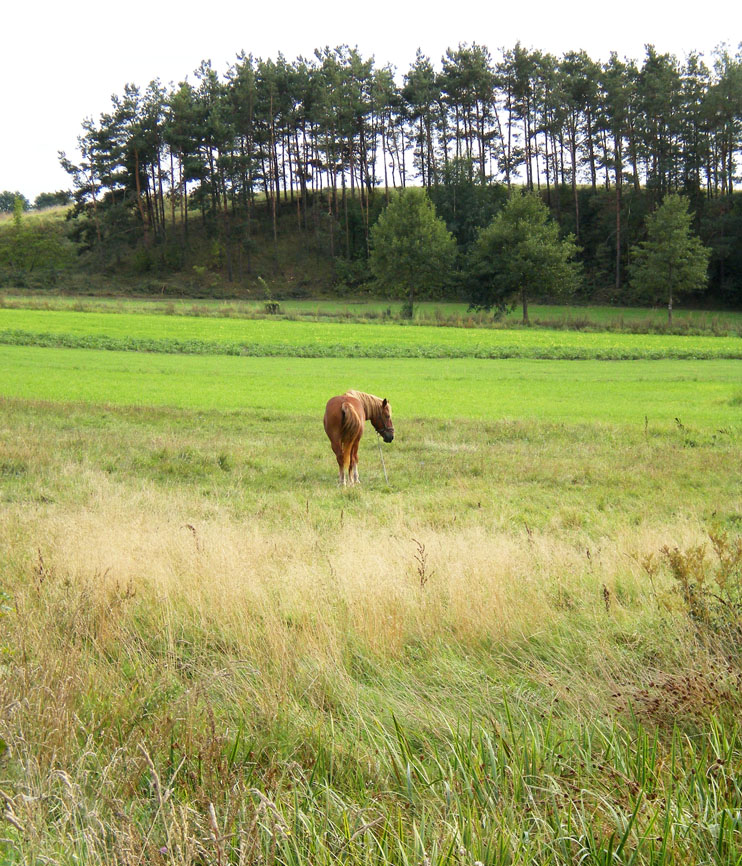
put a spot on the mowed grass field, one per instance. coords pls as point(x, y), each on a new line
point(633, 393)
point(521, 648)
point(267, 336)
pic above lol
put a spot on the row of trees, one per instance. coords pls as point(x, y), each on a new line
point(44, 200)
point(521, 252)
point(328, 137)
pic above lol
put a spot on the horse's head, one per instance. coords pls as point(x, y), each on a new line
point(383, 421)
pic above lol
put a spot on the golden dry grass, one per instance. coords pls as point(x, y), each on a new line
point(310, 588)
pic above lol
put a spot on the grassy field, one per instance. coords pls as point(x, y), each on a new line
point(589, 317)
point(705, 393)
point(207, 335)
point(523, 648)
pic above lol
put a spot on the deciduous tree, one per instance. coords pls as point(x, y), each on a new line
point(8, 200)
point(52, 199)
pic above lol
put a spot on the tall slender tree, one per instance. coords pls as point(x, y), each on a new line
point(411, 249)
point(672, 261)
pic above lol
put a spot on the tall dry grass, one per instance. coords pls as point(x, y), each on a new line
point(272, 617)
point(141, 643)
point(315, 587)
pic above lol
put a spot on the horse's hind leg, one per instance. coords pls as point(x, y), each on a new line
point(354, 462)
point(343, 454)
point(342, 465)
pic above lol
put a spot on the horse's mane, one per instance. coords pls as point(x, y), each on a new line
point(371, 404)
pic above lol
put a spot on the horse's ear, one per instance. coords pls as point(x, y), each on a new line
point(384, 402)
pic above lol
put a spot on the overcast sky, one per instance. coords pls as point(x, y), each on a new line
point(62, 62)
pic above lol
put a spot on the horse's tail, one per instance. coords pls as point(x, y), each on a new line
point(351, 423)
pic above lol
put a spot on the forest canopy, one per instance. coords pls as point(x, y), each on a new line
point(329, 136)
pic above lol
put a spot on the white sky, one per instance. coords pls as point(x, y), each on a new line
point(63, 61)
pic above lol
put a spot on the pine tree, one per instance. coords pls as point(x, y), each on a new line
point(520, 253)
point(671, 261)
point(411, 249)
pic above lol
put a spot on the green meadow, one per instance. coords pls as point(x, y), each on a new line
point(589, 317)
point(705, 393)
point(208, 335)
point(516, 642)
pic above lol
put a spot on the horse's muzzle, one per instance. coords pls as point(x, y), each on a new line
point(387, 435)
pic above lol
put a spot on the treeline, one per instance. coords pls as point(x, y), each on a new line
point(8, 200)
point(325, 140)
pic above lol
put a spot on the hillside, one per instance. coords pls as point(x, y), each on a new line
point(315, 248)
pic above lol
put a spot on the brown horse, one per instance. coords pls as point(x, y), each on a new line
point(344, 419)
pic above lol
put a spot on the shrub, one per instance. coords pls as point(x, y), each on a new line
point(710, 588)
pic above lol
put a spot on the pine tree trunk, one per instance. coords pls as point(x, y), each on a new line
point(386, 170)
point(618, 234)
point(184, 187)
point(273, 161)
point(619, 190)
point(172, 189)
point(591, 151)
point(153, 203)
point(575, 194)
point(140, 205)
point(161, 191)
